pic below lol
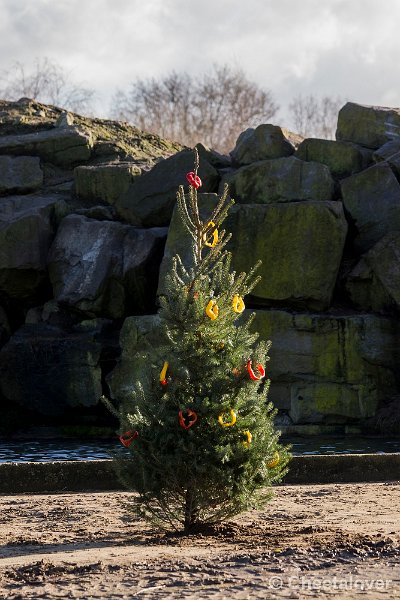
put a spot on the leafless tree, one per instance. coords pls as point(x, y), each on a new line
point(213, 109)
point(47, 82)
point(315, 117)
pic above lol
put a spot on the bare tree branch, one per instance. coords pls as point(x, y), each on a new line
point(213, 109)
point(47, 82)
point(315, 117)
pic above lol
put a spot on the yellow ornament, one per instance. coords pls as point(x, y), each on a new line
point(163, 374)
point(215, 236)
point(274, 461)
point(227, 423)
point(212, 310)
point(248, 439)
point(238, 304)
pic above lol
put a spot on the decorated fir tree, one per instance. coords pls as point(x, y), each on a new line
point(199, 432)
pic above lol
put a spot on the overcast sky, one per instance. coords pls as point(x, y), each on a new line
point(346, 48)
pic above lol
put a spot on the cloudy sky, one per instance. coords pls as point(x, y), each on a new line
point(346, 48)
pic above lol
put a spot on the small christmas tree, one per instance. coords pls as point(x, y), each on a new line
point(202, 444)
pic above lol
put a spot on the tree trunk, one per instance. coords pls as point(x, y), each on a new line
point(190, 511)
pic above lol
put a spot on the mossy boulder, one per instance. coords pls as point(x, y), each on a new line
point(331, 403)
point(105, 182)
point(300, 245)
point(280, 180)
point(342, 158)
point(374, 283)
point(62, 146)
point(370, 126)
point(150, 199)
point(263, 142)
point(334, 368)
point(372, 199)
point(111, 140)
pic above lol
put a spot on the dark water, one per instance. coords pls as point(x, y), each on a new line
point(66, 449)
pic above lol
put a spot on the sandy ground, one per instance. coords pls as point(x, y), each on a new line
point(316, 541)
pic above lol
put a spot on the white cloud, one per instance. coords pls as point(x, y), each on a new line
point(346, 48)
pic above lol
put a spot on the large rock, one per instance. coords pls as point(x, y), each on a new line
point(372, 199)
point(300, 244)
point(394, 162)
point(51, 371)
point(104, 182)
point(20, 174)
point(370, 126)
point(324, 368)
point(342, 158)
point(105, 268)
point(390, 152)
point(27, 229)
point(327, 368)
point(374, 283)
point(137, 334)
point(151, 198)
point(178, 239)
point(281, 180)
point(65, 146)
point(387, 150)
point(263, 142)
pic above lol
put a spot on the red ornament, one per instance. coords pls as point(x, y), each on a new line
point(127, 438)
point(193, 180)
point(187, 421)
point(260, 369)
point(164, 382)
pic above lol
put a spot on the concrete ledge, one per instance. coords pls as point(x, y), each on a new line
point(98, 475)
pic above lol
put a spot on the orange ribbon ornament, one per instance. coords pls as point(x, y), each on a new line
point(215, 236)
point(238, 304)
point(253, 376)
point(227, 423)
point(127, 438)
point(212, 310)
point(186, 422)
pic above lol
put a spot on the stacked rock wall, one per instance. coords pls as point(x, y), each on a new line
point(88, 230)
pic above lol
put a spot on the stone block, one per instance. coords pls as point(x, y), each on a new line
point(336, 368)
point(372, 199)
point(50, 371)
point(370, 126)
point(342, 158)
point(105, 182)
point(300, 244)
point(27, 229)
point(374, 283)
point(20, 174)
point(103, 268)
point(262, 143)
point(280, 180)
point(61, 146)
point(150, 199)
